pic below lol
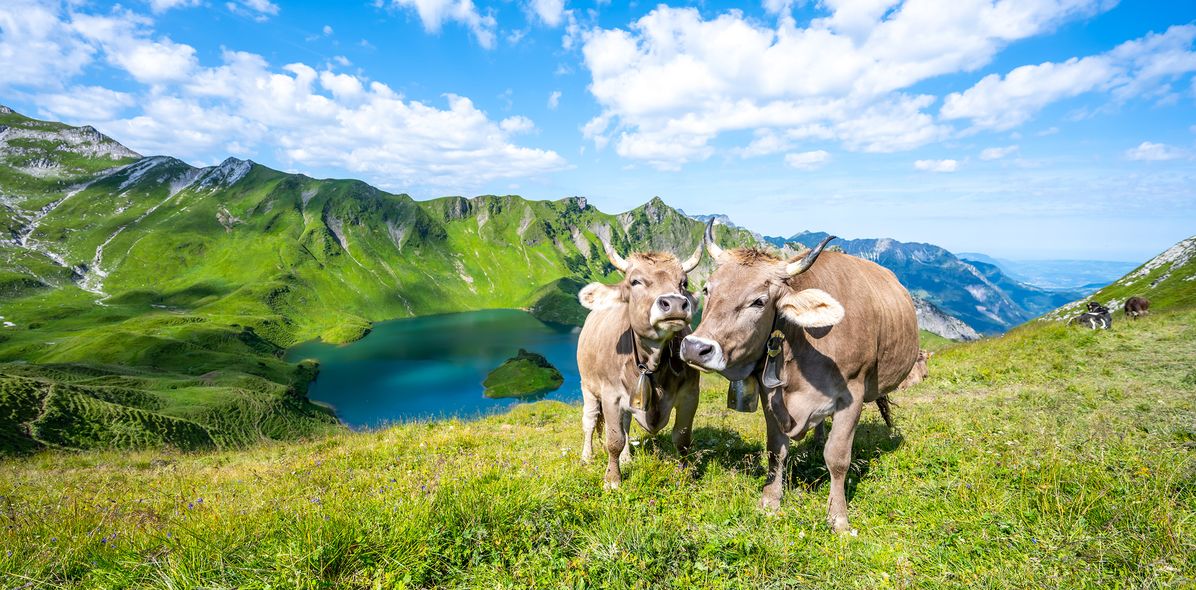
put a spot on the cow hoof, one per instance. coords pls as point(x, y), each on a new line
point(771, 505)
point(841, 525)
point(586, 458)
point(610, 485)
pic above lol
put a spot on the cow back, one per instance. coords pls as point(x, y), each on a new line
point(879, 331)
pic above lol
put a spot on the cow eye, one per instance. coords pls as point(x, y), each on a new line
point(759, 302)
point(636, 282)
point(684, 283)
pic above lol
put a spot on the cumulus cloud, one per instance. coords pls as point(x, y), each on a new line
point(808, 160)
point(674, 81)
point(85, 103)
point(1144, 67)
point(434, 13)
point(38, 49)
point(996, 153)
point(554, 100)
point(936, 165)
point(550, 12)
point(1149, 151)
point(299, 115)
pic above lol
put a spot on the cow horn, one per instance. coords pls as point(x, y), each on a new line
point(799, 266)
point(711, 246)
point(693, 261)
point(618, 261)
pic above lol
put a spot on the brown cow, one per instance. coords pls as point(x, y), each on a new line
point(846, 334)
point(1136, 307)
point(920, 371)
point(628, 358)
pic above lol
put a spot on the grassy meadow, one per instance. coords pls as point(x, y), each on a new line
point(1052, 457)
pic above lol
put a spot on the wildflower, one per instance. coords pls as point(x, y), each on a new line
point(190, 505)
point(53, 539)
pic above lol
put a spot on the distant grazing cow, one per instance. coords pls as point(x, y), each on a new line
point(628, 354)
point(1136, 307)
point(1098, 317)
point(823, 340)
point(918, 372)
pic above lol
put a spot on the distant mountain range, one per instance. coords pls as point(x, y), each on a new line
point(1076, 275)
point(979, 294)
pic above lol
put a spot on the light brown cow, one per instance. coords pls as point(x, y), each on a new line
point(631, 339)
point(848, 336)
point(920, 371)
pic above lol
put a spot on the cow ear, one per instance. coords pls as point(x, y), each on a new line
point(811, 308)
point(599, 296)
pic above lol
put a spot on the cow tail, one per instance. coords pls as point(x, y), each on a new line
point(885, 405)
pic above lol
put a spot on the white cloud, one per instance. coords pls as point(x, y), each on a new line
point(808, 160)
point(1141, 68)
point(1003, 103)
point(554, 100)
point(550, 12)
point(434, 13)
point(327, 30)
point(258, 10)
point(160, 6)
point(296, 115)
point(38, 49)
point(674, 81)
point(937, 165)
point(1148, 151)
point(996, 153)
point(85, 103)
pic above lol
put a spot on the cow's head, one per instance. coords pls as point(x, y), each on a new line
point(654, 289)
point(748, 289)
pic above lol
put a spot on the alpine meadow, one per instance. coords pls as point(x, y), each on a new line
point(303, 295)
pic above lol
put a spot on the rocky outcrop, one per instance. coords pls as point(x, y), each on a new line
point(936, 321)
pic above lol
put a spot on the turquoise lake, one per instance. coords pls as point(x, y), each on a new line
point(433, 367)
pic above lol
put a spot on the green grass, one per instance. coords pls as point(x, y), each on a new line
point(1050, 457)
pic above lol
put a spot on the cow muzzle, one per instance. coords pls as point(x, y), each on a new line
point(702, 353)
point(671, 311)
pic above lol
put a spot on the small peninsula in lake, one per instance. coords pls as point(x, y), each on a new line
point(525, 374)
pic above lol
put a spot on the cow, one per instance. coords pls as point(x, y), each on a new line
point(1136, 307)
point(1098, 317)
point(919, 371)
point(628, 354)
point(822, 339)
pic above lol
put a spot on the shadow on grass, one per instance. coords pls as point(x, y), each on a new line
point(807, 468)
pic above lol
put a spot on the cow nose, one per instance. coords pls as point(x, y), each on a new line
point(672, 303)
point(694, 349)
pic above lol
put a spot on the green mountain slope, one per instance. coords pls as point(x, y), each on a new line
point(1167, 280)
point(1050, 457)
point(119, 263)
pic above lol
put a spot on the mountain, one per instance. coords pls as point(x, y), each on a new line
point(977, 293)
point(1167, 280)
point(146, 301)
point(1084, 276)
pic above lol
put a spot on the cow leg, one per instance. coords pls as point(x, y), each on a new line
point(616, 440)
point(778, 452)
point(625, 424)
point(819, 437)
point(683, 426)
point(590, 411)
point(838, 459)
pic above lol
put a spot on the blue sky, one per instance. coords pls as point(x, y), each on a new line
point(1017, 128)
